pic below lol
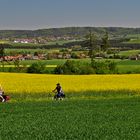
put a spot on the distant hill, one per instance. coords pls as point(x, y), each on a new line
point(69, 31)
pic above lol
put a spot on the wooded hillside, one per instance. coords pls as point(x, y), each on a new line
point(68, 31)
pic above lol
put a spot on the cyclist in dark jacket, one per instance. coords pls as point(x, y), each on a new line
point(60, 93)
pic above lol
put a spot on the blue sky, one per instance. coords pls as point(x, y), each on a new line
point(37, 14)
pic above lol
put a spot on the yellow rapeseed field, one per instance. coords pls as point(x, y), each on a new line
point(36, 83)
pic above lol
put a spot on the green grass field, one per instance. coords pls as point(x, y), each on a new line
point(30, 51)
point(128, 66)
point(129, 52)
point(100, 118)
point(60, 42)
point(25, 44)
point(133, 41)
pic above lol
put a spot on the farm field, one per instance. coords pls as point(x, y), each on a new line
point(73, 119)
point(96, 107)
point(134, 41)
point(129, 52)
point(15, 83)
point(128, 66)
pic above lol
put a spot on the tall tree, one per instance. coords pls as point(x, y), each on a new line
point(105, 42)
point(91, 43)
point(2, 54)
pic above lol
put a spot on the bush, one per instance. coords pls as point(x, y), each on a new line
point(59, 70)
point(37, 68)
point(87, 70)
point(112, 67)
point(116, 56)
point(73, 67)
point(104, 67)
point(96, 67)
point(70, 67)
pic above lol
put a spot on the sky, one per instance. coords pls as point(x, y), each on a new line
point(40, 14)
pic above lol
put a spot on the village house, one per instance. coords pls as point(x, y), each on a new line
point(66, 56)
point(23, 41)
point(135, 57)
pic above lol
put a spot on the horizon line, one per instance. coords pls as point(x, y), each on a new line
point(71, 27)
